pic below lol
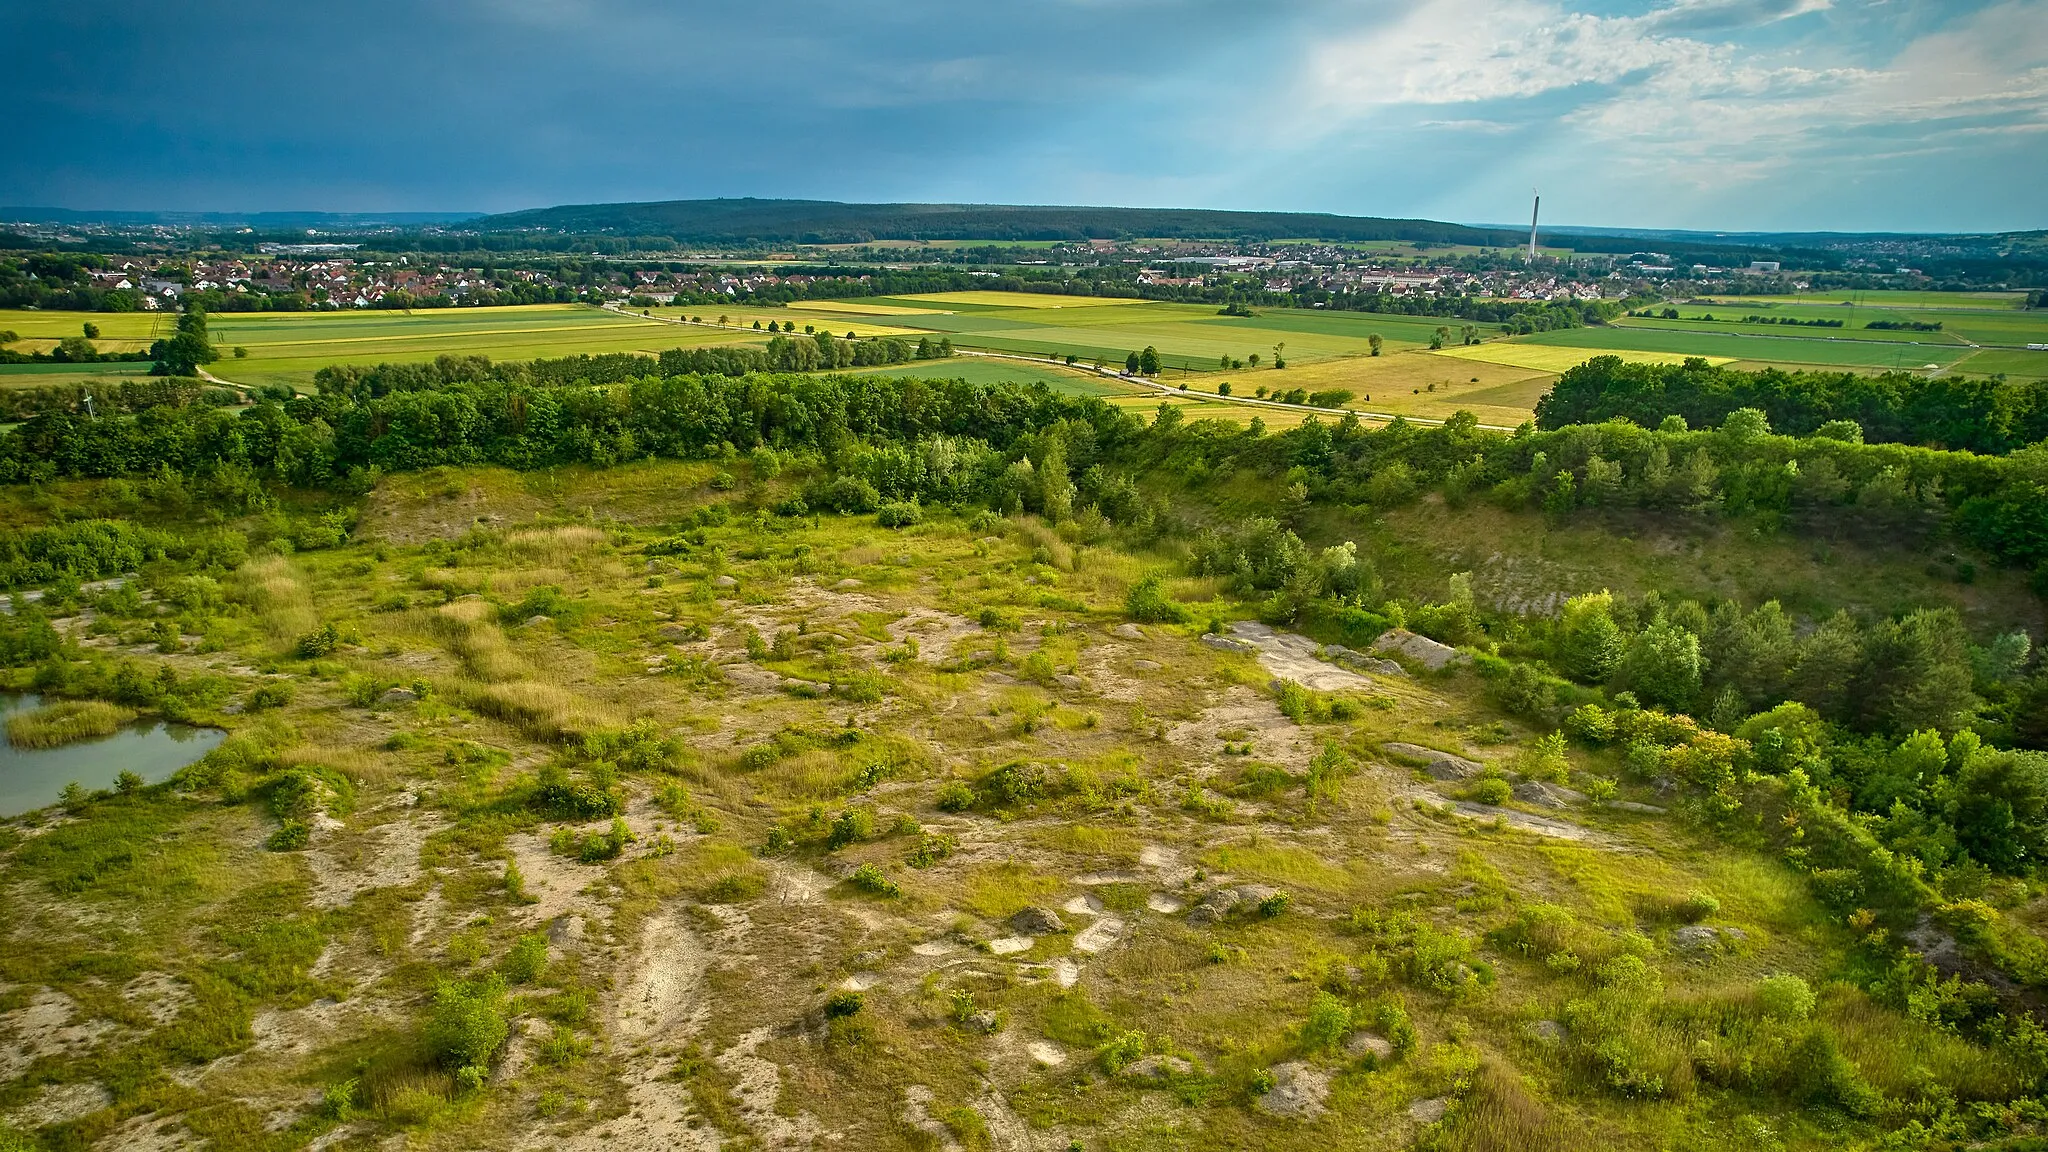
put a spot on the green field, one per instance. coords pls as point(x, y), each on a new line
point(1989, 322)
point(989, 370)
point(289, 347)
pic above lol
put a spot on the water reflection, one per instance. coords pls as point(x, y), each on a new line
point(33, 778)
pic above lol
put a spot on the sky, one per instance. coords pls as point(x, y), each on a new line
point(1840, 115)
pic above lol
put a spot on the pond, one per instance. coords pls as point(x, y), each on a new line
point(32, 778)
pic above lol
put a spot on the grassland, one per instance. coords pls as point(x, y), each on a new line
point(801, 932)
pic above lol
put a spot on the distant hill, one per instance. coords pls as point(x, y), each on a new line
point(743, 221)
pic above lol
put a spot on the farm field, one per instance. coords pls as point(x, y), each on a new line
point(289, 347)
point(1733, 347)
point(1891, 299)
point(1548, 358)
point(119, 331)
point(993, 370)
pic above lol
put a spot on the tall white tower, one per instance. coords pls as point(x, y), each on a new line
point(1534, 209)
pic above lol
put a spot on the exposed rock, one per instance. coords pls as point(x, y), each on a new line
point(1547, 1032)
point(849, 582)
point(1429, 1111)
point(1359, 661)
point(1215, 906)
point(1632, 806)
point(1148, 665)
point(1164, 903)
point(1070, 681)
point(1440, 765)
point(724, 582)
point(1127, 632)
point(1696, 938)
point(1369, 1043)
point(536, 620)
point(1037, 921)
point(1099, 935)
point(1229, 643)
point(985, 1022)
point(399, 696)
point(1008, 945)
point(1546, 795)
point(1157, 1068)
point(1421, 649)
point(1046, 1053)
point(1299, 1091)
point(673, 633)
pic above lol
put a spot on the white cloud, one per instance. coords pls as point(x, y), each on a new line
point(1645, 97)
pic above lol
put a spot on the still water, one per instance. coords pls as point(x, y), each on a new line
point(31, 778)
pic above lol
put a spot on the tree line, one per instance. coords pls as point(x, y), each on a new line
point(1976, 414)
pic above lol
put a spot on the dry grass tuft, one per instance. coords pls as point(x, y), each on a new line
point(66, 722)
point(561, 545)
point(465, 626)
point(276, 589)
point(544, 711)
point(355, 764)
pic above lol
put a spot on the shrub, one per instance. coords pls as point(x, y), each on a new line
point(1329, 1021)
point(1785, 997)
point(290, 836)
point(900, 515)
point(468, 1026)
point(1492, 790)
point(870, 879)
point(527, 959)
point(954, 796)
point(273, 695)
point(1147, 602)
point(843, 1004)
point(1697, 906)
point(1122, 1052)
point(320, 642)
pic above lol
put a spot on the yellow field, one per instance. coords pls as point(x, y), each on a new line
point(1022, 299)
point(119, 331)
point(740, 318)
point(859, 308)
point(1543, 358)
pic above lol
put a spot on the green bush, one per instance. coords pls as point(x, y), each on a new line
point(1697, 906)
point(1329, 1021)
point(468, 1026)
point(900, 515)
point(290, 836)
point(1148, 603)
point(1122, 1052)
point(871, 880)
point(1785, 997)
point(1492, 790)
point(527, 959)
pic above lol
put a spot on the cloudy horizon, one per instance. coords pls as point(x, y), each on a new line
point(1715, 115)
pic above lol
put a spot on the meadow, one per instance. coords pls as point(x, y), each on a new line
point(906, 792)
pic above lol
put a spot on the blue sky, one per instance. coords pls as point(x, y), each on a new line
point(1713, 114)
